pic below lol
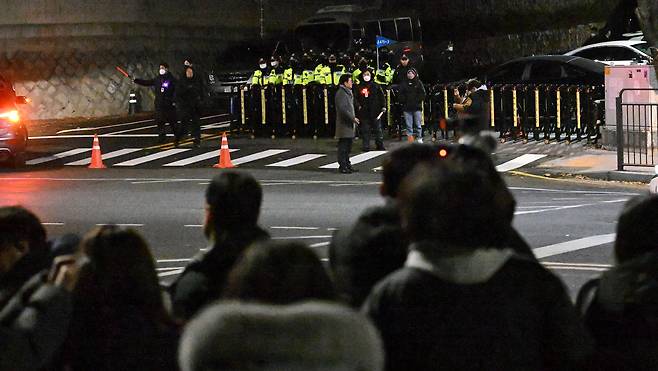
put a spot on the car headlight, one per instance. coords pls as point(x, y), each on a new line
point(11, 116)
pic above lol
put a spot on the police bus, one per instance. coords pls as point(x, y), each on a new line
point(351, 28)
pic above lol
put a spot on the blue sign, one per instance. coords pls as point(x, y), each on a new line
point(383, 41)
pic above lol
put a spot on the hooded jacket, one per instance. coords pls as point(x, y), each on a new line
point(412, 95)
point(482, 309)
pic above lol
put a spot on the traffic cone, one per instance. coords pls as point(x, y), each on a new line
point(96, 155)
point(224, 155)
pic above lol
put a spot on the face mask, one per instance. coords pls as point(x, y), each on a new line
point(162, 71)
point(263, 66)
point(274, 64)
point(367, 78)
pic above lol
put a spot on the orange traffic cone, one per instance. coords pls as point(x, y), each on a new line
point(96, 156)
point(224, 155)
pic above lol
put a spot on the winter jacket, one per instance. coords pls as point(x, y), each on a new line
point(189, 93)
point(369, 100)
point(344, 113)
point(622, 314)
point(412, 95)
point(34, 262)
point(481, 309)
point(204, 278)
point(367, 252)
point(400, 74)
point(33, 325)
point(164, 87)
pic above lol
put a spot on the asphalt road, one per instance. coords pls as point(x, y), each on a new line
point(570, 224)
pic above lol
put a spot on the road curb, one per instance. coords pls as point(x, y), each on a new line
point(607, 175)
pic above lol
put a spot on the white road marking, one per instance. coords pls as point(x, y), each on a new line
point(152, 157)
point(300, 238)
point(103, 127)
point(320, 244)
point(216, 125)
point(120, 224)
point(258, 156)
point(575, 245)
point(198, 158)
point(106, 156)
point(564, 207)
point(131, 130)
point(57, 156)
point(52, 224)
point(173, 260)
point(157, 181)
point(519, 162)
point(578, 264)
point(297, 228)
point(297, 160)
point(380, 168)
point(356, 159)
point(193, 225)
point(170, 273)
point(168, 269)
point(589, 193)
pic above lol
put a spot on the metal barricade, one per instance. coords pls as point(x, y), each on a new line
point(637, 130)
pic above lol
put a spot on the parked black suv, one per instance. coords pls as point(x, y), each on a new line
point(13, 132)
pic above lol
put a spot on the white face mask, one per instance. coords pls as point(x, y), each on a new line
point(367, 78)
point(162, 71)
point(274, 64)
point(263, 66)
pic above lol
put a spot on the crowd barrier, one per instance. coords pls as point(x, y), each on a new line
point(518, 112)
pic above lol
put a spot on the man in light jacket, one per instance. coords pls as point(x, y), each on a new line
point(345, 121)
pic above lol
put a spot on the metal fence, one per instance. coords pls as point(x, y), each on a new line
point(637, 130)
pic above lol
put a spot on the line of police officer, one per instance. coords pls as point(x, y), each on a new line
point(298, 99)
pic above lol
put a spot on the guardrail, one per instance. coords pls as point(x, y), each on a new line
point(637, 131)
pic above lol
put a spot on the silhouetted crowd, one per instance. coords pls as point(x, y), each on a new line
point(436, 278)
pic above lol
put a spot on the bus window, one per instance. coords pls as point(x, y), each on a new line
point(388, 29)
point(405, 32)
point(372, 30)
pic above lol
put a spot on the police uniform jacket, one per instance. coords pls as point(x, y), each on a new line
point(344, 113)
point(164, 87)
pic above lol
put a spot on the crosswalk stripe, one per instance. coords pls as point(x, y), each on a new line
point(202, 157)
point(258, 156)
point(155, 156)
point(57, 156)
point(357, 159)
point(106, 156)
point(518, 162)
point(297, 160)
point(574, 245)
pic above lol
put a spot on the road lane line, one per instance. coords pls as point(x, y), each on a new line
point(193, 225)
point(106, 156)
point(258, 156)
point(574, 245)
point(170, 273)
point(52, 224)
point(579, 264)
point(198, 158)
point(300, 238)
point(597, 193)
point(519, 162)
point(168, 269)
point(297, 228)
point(363, 157)
point(127, 225)
point(297, 160)
point(173, 260)
point(57, 156)
point(320, 244)
point(103, 127)
point(131, 130)
point(153, 157)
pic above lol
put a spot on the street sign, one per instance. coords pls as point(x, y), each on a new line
point(383, 41)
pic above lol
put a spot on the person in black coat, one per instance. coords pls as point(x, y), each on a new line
point(189, 95)
point(233, 203)
point(369, 100)
point(164, 87)
point(412, 95)
point(400, 74)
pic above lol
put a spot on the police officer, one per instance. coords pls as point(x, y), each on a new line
point(369, 102)
point(164, 86)
point(260, 75)
point(189, 95)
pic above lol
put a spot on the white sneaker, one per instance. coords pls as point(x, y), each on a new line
point(419, 140)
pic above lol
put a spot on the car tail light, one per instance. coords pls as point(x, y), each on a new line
point(11, 116)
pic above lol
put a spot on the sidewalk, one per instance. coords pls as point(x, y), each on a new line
point(596, 164)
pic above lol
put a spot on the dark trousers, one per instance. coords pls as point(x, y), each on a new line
point(164, 116)
point(190, 117)
point(344, 149)
point(368, 126)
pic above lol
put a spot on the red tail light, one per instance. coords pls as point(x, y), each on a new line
point(11, 116)
point(443, 152)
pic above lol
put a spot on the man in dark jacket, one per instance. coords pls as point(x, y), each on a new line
point(24, 250)
point(412, 95)
point(369, 107)
point(164, 87)
point(233, 201)
point(189, 96)
point(459, 304)
point(400, 74)
point(345, 121)
point(621, 310)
